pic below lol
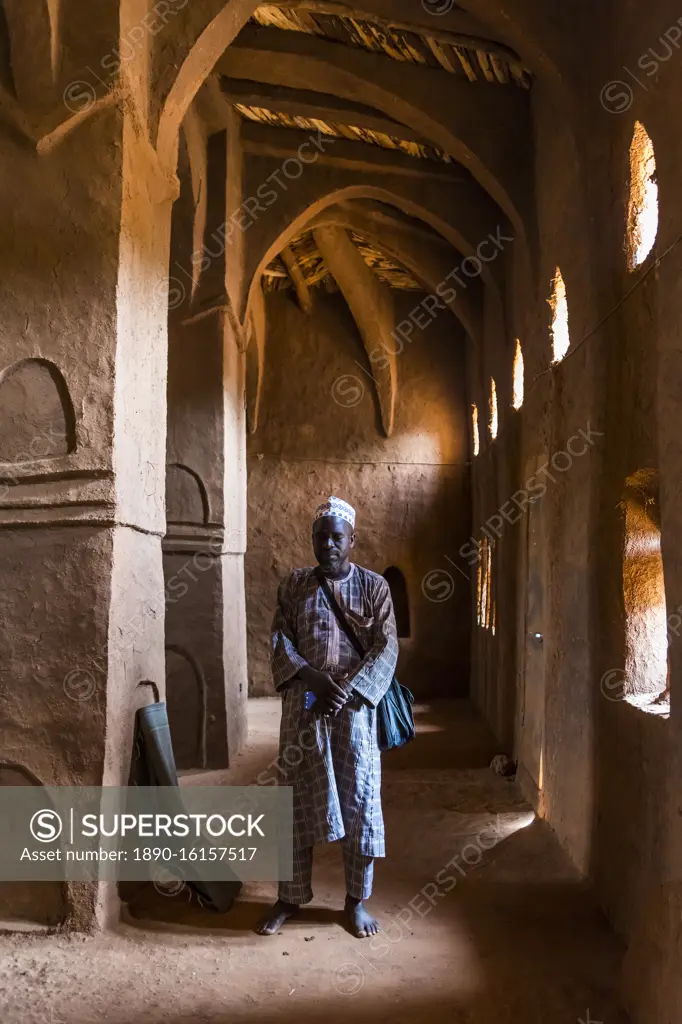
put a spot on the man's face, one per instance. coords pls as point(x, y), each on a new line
point(333, 539)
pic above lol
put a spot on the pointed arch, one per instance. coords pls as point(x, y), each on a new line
point(197, 66)
point(407, 93)
point(299, 222)
point(428, 265)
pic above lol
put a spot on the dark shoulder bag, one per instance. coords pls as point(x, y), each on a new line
point(395, 721)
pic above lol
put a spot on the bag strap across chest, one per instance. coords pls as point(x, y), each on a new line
point(336, 608)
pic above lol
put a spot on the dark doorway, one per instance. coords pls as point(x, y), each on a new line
point(401, 606)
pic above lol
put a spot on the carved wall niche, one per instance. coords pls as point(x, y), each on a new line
point(37, 419)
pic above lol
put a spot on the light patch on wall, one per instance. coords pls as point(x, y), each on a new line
point(517, 378)
point(646, 626)
point(485, 604)
point(643, 205)
point(492, 403)
point(559, 306)
point(489, 584)
point(479, 589)
point(474, 429)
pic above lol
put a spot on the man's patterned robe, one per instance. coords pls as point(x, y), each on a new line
point(333, 762)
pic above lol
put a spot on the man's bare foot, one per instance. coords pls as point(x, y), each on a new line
point(361, 922)
point(275, 917)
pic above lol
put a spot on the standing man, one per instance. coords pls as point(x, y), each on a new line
point(336, 777)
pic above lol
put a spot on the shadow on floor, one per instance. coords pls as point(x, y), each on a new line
point(450, 735)
point(484, 919)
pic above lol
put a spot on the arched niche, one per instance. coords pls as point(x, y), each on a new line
point(401, 605)
point(186, 497)
point(26, 905)
point(37, 419)
point(186, 703)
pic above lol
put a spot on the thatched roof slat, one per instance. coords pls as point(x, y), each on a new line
point(399, 40)
point(484, 63)
point(419, 50)
point(273, 284)
point(500, 69)
point(365, 37)
point(444, 59)
point(336, 129)
point(314, 271)
point(465, 61)
point(520, 76)
point(283, 18)
point(332, 27)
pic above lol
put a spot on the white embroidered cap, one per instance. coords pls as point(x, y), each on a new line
point(336, 507)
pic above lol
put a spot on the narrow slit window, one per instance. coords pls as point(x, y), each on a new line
point(489, 584)
point(517, 379)
point(485, 605)
point(559, 305)
point(480, 589)
point(474, 429)
point(646, 623)
point(492, 422)
point(643, 205)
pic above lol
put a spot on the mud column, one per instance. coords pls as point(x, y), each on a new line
point(83, 358)
point(203, 547)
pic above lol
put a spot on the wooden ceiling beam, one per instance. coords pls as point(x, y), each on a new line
point(445, 37)
point(315, 106)
point(270, 140)
point(441, 55)
point(381, 215)
point(297, 279)
point(486, 128)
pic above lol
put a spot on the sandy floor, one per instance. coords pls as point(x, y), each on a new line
point(516, 939)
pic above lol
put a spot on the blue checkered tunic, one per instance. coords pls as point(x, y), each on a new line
point(333, 762)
